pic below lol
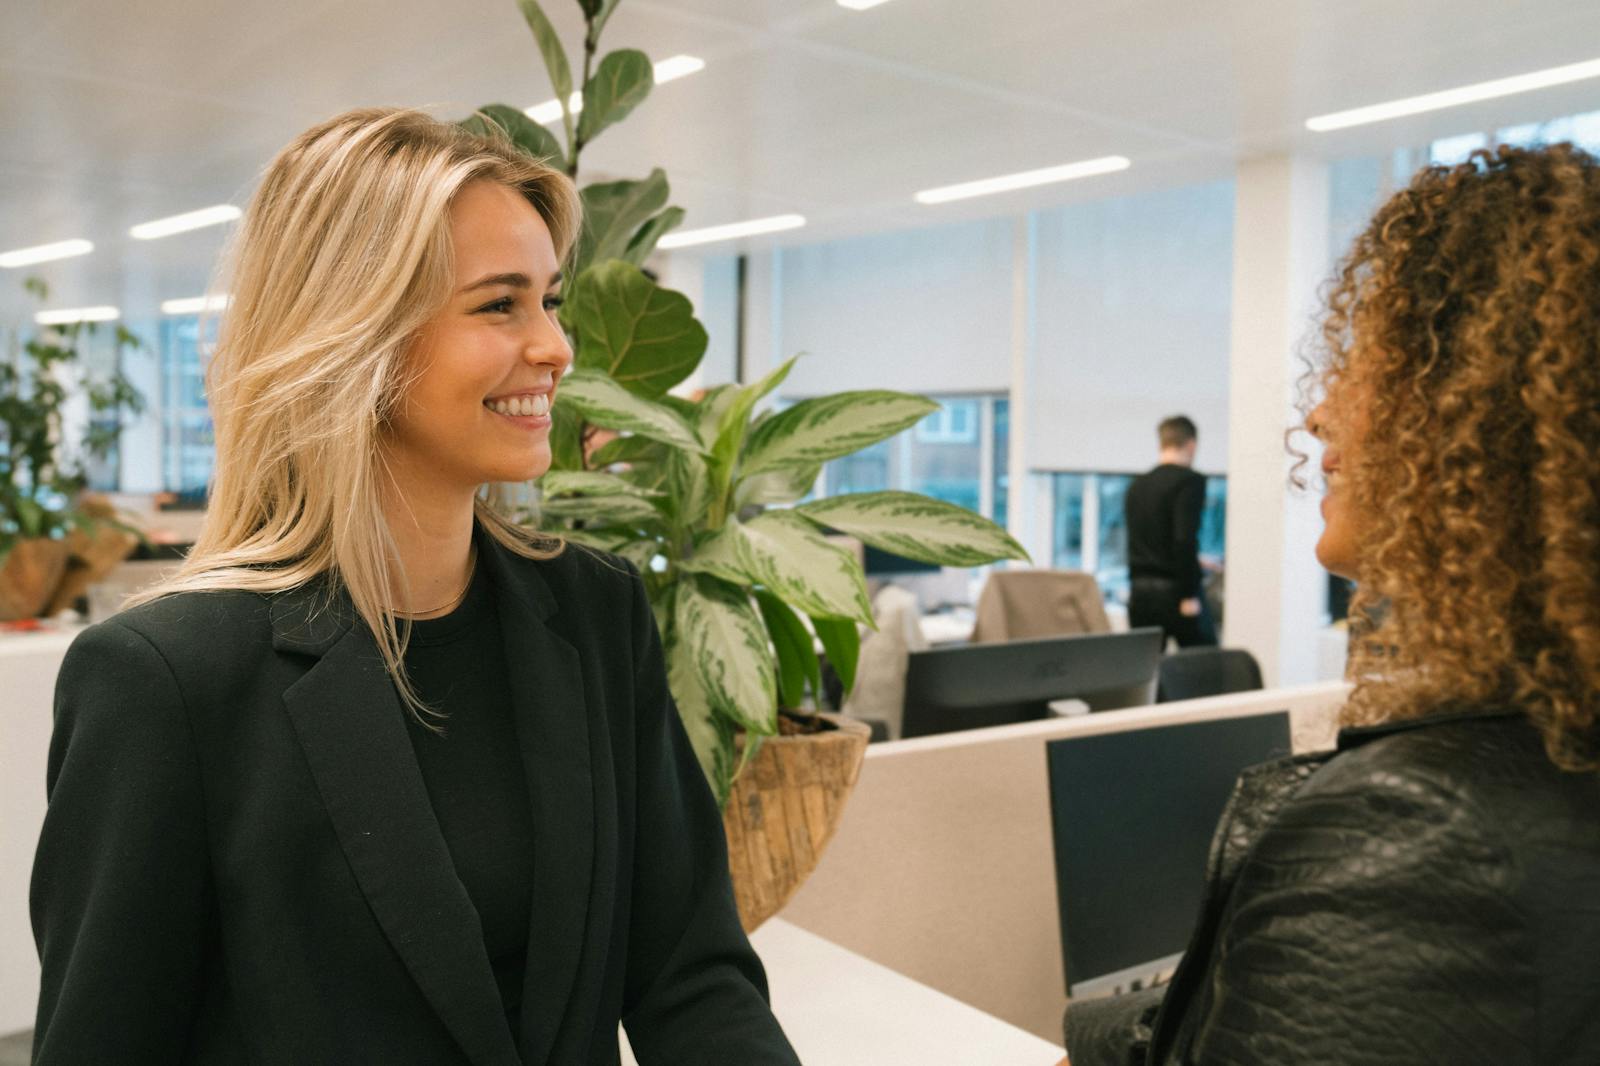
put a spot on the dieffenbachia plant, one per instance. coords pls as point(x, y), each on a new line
point(702, 494)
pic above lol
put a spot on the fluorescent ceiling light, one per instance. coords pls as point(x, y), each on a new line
point(44, 253)
point(1466, 94)
point(1028, 178)
point(753, 228)
point(194, 305)
point(166, 227)
point(861, 5)
point(67, 316)
point(669, 69)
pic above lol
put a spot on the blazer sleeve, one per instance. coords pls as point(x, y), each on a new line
point(1189, 507)
point(120, 881)
point(1374, 922)
point(696, 994)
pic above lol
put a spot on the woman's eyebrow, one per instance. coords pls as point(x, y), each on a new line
point(516, 281)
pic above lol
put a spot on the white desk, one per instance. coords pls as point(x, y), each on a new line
point(840, 1009)
point(29, 663)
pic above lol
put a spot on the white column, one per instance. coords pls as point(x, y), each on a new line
point(1028, 498)
point(763, 315)
point(1276, 592)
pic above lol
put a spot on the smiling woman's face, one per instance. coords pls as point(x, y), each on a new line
point(489, 360)
point(1341, 422)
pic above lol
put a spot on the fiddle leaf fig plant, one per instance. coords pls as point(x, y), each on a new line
point(703, 494)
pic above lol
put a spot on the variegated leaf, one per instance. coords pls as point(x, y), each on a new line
point(589, 483)
point(602, 510)
point(609, 405)
point(710, 737)
point(785, 553)
point(735, 419)
point(688, 487)
point(777, 486)
point(641, 552)
point(827, 427)
point(727, 645)
point(917, 527)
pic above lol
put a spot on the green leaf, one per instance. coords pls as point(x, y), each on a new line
point(566, 444)
point(555, 57)
point(785, 553)
point(521, 130)
point(735, 419)
point(619, 84)
point(613, 212)
point(797, 655)
point(628, 450)
point(589, 483)
point(598, 398)
point(727, 645)
point(817, 430)
point(776, 486)
point(917, 527)
point(841, 643)
point(604, 8)
point(649, 235)
point(638, 334)
point(602, 510)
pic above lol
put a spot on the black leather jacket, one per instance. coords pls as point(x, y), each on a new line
point(1430, 894)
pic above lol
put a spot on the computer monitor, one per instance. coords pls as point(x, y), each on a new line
point(876, 562)
point(977, 685)
point(1132, 815)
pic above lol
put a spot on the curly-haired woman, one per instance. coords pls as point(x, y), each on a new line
point(1431, 892)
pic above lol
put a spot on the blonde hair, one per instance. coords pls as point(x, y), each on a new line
point(341, 258)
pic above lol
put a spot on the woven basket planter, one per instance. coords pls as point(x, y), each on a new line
point(784, 809)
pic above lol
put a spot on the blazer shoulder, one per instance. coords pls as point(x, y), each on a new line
point(218, 620)
point(587, 573)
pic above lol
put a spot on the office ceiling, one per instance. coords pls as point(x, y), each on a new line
point(114, 113)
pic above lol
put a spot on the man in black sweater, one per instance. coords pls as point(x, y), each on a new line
point(1163, 513)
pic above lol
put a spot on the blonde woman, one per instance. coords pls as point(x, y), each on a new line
point(380, 777)
point(1431, 892)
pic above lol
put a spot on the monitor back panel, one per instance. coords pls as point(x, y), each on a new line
point(1132, 815)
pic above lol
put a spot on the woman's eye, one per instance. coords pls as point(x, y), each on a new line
point(501, 306)
point(552, 302)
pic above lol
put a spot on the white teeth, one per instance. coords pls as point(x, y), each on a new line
point(523, 406)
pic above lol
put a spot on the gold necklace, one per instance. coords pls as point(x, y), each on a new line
point(472, 568)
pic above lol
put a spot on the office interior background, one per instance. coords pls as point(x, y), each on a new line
point(1054, 324)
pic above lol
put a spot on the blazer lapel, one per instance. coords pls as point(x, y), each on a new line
point(553, 730)
point(351, 726)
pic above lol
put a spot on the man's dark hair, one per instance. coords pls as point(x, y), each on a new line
point(1176, 431)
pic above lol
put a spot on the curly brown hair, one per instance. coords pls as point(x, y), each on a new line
point(1467, 319)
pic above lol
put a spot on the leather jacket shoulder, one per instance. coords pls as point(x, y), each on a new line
point(1425, 896)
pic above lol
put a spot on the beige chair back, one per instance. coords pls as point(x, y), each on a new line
point(1029, 604)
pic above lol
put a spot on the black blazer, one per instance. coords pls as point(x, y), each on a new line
point(240, 863)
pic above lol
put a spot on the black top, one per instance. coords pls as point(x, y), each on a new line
point(473, 773)
point(240, 862)
point(1427, 895)
point(1163, 510)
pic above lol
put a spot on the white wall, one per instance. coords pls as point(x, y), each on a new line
point(1132, 309)
point(924, 310)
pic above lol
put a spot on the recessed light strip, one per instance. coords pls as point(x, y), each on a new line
point(166, 227)
point(194, 305)
point(670, 69)
point(861, 5)
point(44, 253)
point(1466, 94)
point(1027, 179)
point(753, 228)
point(67, 316)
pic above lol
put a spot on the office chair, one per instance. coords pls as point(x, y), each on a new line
point(1030, 604)
point(1191, 673)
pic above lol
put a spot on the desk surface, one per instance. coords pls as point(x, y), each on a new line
point(841, 1009)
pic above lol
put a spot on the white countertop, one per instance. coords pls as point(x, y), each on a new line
point(840, 1009)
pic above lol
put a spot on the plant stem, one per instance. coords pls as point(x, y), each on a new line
point(591, 44)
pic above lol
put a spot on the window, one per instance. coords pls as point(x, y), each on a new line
point(1090, 531)
point(943, 456)
point(187, 443)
